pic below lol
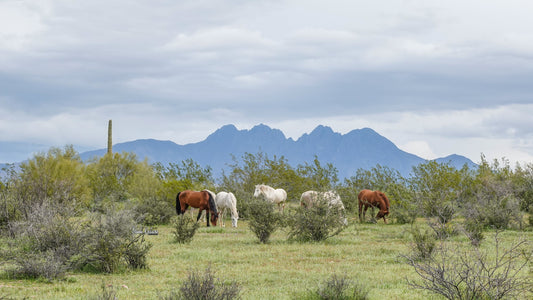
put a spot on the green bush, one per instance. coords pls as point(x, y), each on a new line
point(337, 288)
point(45, 243)
point(424, 243)
point(111, 243)
point(264, 219)
point(204, 286)
point(316, 223)
point(153, 211)
point(474, 231)
point(184, 229)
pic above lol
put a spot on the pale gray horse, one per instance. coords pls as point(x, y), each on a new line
point(277, 196)
point(224, 201)
point(310, 198)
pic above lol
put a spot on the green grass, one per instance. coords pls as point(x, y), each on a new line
point(366, 253)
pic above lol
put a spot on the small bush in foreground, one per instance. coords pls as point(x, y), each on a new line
point(204, 287)
point(111, 243)
point(184, 229)
point(264, 220)
point(472, 274)
point(423, 244)
point(316, 223)
point(337, 288)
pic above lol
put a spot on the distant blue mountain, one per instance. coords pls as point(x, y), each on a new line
point(360, 148)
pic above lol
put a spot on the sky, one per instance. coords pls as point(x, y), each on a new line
point(434, 77)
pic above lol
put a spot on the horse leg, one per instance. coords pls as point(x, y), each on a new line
point(221, 217)
point(360, 211)
point(207, 217)
point(364, 212)
point(199, 214)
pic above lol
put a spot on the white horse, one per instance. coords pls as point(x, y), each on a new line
point(310, 198)
point(225, 200)
point(277, 196)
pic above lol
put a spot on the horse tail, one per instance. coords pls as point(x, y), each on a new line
point(233, 208)
point(178, 205)
point(211, 202)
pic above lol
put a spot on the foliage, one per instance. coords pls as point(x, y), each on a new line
point(45, 243)
point(438, 189)
point(494, 201)
point(110, 178)
point(259, 169)
point(57, 176)
point(384, 179)
point(424, 243)
point(337, 288)
point(153, 210)
point(204, 287)
point(474, 231)
point(187, 175)
point(473, 274)
point(316, 223)
point(184, 229)
point(111, 243)
point(317, 177)
point(264, 219)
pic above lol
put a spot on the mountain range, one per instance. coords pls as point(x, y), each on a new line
point(360, 148)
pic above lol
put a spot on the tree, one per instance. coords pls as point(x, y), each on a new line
point(57, 176)
point(111, 176)
point(259, 169)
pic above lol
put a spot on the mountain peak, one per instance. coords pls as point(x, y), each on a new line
point(321, 130)
point(263, 129)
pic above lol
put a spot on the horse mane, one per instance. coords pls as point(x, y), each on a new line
point(385, 200)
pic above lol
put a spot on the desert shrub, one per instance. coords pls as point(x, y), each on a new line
point(337, 288)
point(111, 243)
point(457, 273)
point(264, 219)
point(184, 228)
point(153, 211)
point(204, 287)
point(405, 212)
point(44, 244)
point(316, 223)
point(424, 243)
point(474, 231)
point(46, 265)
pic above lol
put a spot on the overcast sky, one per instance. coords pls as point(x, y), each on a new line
point(435, 77)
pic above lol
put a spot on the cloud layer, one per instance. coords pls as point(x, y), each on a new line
point(434, 77)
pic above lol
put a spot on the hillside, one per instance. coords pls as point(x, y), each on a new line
point(360, 148)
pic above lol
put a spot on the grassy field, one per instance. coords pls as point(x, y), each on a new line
point(366, 253)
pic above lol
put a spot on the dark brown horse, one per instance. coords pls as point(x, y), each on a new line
point(373, 199)
point(201, 200)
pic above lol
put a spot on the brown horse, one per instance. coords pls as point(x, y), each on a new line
point(373, 199)
point(201, 200)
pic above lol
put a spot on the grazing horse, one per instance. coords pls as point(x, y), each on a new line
point(277, 196)
point(224, 201)
point(373, 199)
point(311, 198)
point(202, 200)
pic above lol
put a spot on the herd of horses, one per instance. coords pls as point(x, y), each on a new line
point(216, 205)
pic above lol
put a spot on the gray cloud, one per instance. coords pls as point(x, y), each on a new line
point(68, 67)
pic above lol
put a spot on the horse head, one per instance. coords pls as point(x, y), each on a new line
point(383, 206)
point(258, 190)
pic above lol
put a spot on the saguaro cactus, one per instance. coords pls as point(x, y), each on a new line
point(110, 137)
